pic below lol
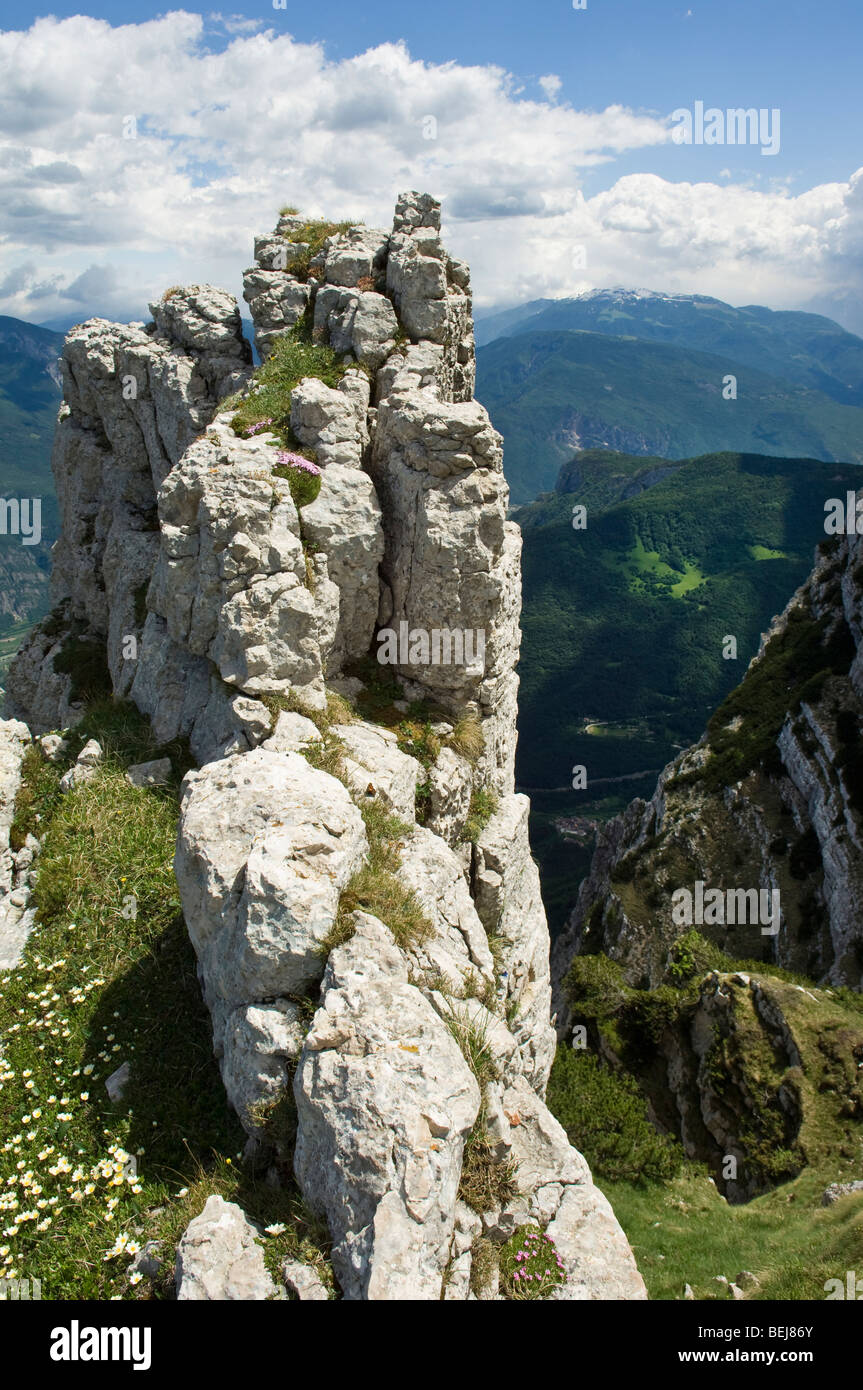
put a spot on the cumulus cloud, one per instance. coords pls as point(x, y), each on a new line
point(551, 85)
point(136, 156)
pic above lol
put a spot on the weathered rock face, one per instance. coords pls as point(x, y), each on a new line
point(266, 845)
point(509, 904)
point(134, 399)
point(451, 558)
point(16, 915)
point(385, 1100)
point(378, 983)
point(772, 807)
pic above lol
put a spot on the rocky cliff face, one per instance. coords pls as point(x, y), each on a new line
point(769, 800)
point(352, 860)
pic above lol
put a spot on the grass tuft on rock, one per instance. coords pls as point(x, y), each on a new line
point(377, 889)
point(486, 1182)
point(483, 805)
point(267, 402)
point(313, 234)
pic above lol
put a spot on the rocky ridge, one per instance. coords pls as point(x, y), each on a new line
point(769, 799)
point(755, 1071)
point(390, 1058)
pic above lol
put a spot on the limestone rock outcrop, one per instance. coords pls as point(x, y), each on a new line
point(308, 573)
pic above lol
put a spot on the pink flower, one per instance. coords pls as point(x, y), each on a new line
point(297, 461)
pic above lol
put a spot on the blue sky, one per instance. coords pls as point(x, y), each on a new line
point(555, 164)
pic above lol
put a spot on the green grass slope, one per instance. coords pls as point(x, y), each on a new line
point(84, 1182)
point(682, 1229)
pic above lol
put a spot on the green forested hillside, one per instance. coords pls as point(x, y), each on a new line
point(624, 622)
point(29, 397)
point(551, 393)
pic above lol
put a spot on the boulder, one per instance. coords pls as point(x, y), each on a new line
point(152, 774)
point(85, 768)
point(305, 1282)
point(377, 769)
point(218, 1257)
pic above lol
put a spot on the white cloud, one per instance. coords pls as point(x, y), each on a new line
point(551, 85)
point(228, 133)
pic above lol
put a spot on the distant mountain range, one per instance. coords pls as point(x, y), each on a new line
point(644, 373)
point(805, 348)
point(29, 396)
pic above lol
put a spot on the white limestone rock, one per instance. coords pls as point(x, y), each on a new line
point(452, 561)
point(152, 774)
point(305, 1282)
point(354, 255)
point(227, 723)
point(373, 330)
point(384, 1100)
point(293, 733)
point(331, 421)
point(203, 319)
point(230, 580)
point(172, 687)
point(219, 1258)
point(598, 1261)
point(53, 746)
point(345, 522)
point(450, 785)
point(265, 845)
point(260, 1041)
point(35, 692)
point(431, 292)
point(16, 917)
point(509, 903)
point(277, 301)
point(85, 768)
point(458, 948)
point(376, 768)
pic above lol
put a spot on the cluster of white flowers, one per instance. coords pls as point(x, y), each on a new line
point(44, 1178)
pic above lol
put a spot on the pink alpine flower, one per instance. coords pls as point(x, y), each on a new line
point(297, 461)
